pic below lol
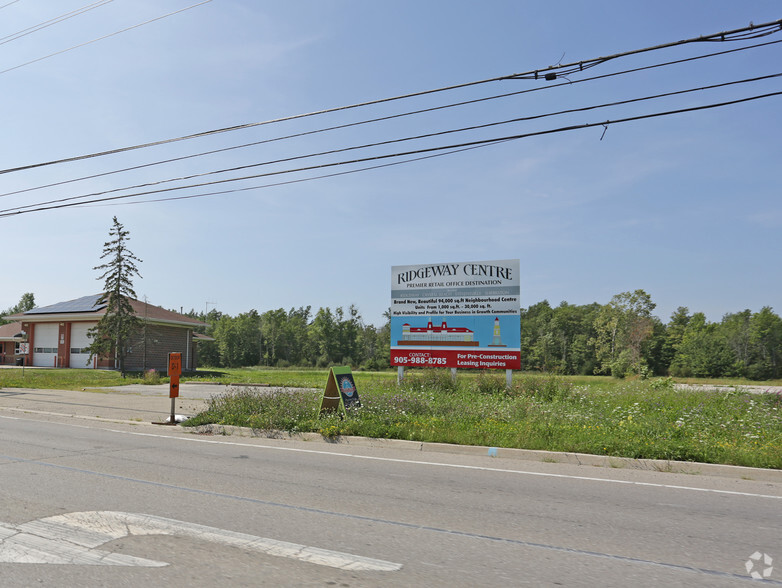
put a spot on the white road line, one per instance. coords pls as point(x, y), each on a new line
point(433, 463)
point(456, 466)
point(73, 538)
point(20, 545)
point(68, 415)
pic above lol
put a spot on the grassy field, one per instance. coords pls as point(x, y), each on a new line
point(56, 379)
point(604, 416)
point(75, 379)
point(588, 414)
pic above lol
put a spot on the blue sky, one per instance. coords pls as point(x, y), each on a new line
point(686, 207)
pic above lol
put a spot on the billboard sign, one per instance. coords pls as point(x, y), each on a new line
point(458, 315)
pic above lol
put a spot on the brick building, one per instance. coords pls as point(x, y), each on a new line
point(11, 338)
point(57, 336)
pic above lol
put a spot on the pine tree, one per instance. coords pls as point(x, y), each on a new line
point(118, 324)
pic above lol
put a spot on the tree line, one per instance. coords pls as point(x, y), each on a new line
point(26, 302)
point(296, 337)
point(620, 338)
point(624, 338)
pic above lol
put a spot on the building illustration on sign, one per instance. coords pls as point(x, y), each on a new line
point(442, 335)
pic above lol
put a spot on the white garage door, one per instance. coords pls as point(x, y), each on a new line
point(80, 357)
point(45, 341)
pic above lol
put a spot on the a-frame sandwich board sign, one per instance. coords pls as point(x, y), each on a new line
point(341, 392)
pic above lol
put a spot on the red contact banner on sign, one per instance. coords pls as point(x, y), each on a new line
point(476, 359)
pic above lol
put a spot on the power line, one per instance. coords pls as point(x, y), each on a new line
point(288, 182)
point(410, 138)
point(429, 150)
point(390, 117)
point(741, 34)
point(141, 24)
point(550, 73)
point(9, 4)
point(48, 23)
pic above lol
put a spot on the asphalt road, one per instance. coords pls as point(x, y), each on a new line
point(259, 512)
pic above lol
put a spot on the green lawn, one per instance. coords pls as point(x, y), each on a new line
point(60, 379)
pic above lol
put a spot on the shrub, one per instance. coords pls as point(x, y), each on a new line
point(487, 383)
point(151, 377)
point(438, 380)
point(661, 384)
point(546, 388)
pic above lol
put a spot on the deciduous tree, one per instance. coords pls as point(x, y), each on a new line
point(26, 302)
point(622, 327)
point(766, 337)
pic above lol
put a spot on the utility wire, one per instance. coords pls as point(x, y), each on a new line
point(48, 23)
point(288, 182)
point(742, 34)
point(405, 139)
point(141, 24)
point(549, 73)
point(605, 124)
point(389, 117)
point(9, 4)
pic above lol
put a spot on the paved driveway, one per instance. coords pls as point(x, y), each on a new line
point(723, 388)
point(186, 390)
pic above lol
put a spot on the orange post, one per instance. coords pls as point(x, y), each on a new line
point(174, 371)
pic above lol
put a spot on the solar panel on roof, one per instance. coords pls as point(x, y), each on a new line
point(83, 304)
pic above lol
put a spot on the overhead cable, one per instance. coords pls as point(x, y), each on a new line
point(742, 34)
point(288, 182)
point(141, 24)
point(405, 139)
point(547, 73)
point(63, 204)
point(385, 118)
point(48, 23)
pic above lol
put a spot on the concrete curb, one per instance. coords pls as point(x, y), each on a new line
point(581, 459)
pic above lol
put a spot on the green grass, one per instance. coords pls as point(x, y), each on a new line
point(292, 377)
point(598, 415)
point(636, 419)
point(61, 379)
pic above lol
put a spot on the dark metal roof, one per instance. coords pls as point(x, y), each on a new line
point(83, 304)
point(88, 305)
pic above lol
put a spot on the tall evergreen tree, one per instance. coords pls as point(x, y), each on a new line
point(119, 322)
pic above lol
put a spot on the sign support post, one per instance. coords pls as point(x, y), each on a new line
point(174, 371)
